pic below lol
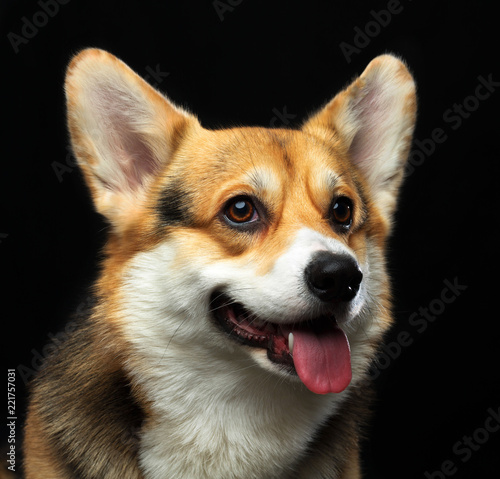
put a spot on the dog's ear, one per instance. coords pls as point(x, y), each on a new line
point(122, 130)
point(372, 120)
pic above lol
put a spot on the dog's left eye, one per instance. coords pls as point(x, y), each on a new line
point(342, 211)
point(241, 210)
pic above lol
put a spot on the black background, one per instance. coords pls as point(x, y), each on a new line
point(241, 64)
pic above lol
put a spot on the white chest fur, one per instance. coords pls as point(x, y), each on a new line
point(226, 427)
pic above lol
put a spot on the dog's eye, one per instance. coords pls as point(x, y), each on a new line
point(241, 210)
point(342, 211)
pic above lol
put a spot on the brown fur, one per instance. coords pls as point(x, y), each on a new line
point(68, 436)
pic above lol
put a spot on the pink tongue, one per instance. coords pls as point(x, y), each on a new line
point(322, 359)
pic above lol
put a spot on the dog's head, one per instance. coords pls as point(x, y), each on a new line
point(254, 243)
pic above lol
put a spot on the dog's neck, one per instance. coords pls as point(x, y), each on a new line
point(216, 418)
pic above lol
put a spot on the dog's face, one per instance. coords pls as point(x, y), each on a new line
point(247, 243)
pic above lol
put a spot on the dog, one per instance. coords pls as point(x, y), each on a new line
point(243, 290)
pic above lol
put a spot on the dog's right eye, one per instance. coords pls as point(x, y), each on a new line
point(241, 210)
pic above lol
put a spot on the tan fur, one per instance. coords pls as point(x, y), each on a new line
point(42, 461)
point(156, 152)
point(353, 470)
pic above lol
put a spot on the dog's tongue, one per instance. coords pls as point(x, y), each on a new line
point(322, 359)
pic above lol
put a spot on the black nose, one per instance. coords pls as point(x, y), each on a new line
point(333, 277)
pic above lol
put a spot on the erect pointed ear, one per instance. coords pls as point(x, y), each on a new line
point(122, 130)
point(374, 118)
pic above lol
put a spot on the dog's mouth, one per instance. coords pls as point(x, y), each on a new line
point(316, 350)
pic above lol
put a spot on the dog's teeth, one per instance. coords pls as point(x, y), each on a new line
point(290, 342)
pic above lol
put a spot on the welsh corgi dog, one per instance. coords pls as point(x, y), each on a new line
point(243, 290)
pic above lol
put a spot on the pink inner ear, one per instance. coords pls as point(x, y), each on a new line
point(380, 123)
point(135, 158)
point(128, 159)
point(369, 140)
